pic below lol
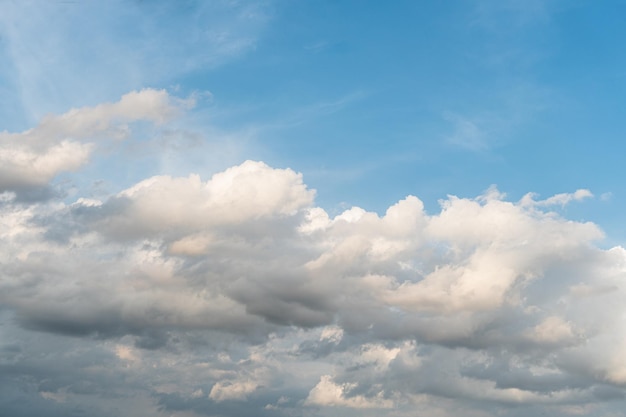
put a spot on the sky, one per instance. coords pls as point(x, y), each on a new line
point(274, 208)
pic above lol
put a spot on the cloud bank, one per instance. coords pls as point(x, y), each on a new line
point(237, 295)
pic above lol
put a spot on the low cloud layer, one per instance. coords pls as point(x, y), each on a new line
point(237, 295)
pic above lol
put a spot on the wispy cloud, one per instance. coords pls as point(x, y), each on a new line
point(467, 133)
point(510, 15)
point(497, 117)
point(62, 55)
point(64, 143)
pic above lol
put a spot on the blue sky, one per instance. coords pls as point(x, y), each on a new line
point(450, 98)
point(329, 183)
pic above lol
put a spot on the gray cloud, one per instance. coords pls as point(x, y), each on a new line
point(236, 295)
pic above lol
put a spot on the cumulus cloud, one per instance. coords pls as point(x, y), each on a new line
point(185, 207)
point(240, 286)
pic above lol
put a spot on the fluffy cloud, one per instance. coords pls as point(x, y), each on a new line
point(185, 207)
point(236, 295)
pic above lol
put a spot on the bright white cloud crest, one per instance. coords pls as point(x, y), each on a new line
point(486, 300)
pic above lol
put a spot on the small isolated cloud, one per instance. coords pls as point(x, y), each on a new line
point(467, 133)
point(606, 196)
point(484, 127)
point(556, 200)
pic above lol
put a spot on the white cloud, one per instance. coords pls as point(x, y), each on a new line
point(62, 143)
point(332, 333)
point(328, 393)
point(556, 200)
point(232, 390)
point(553, 329)
point(184, 207)
point(22, 165)
point(486, 300)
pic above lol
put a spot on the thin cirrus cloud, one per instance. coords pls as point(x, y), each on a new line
point(61, 53)
point(237, 295)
